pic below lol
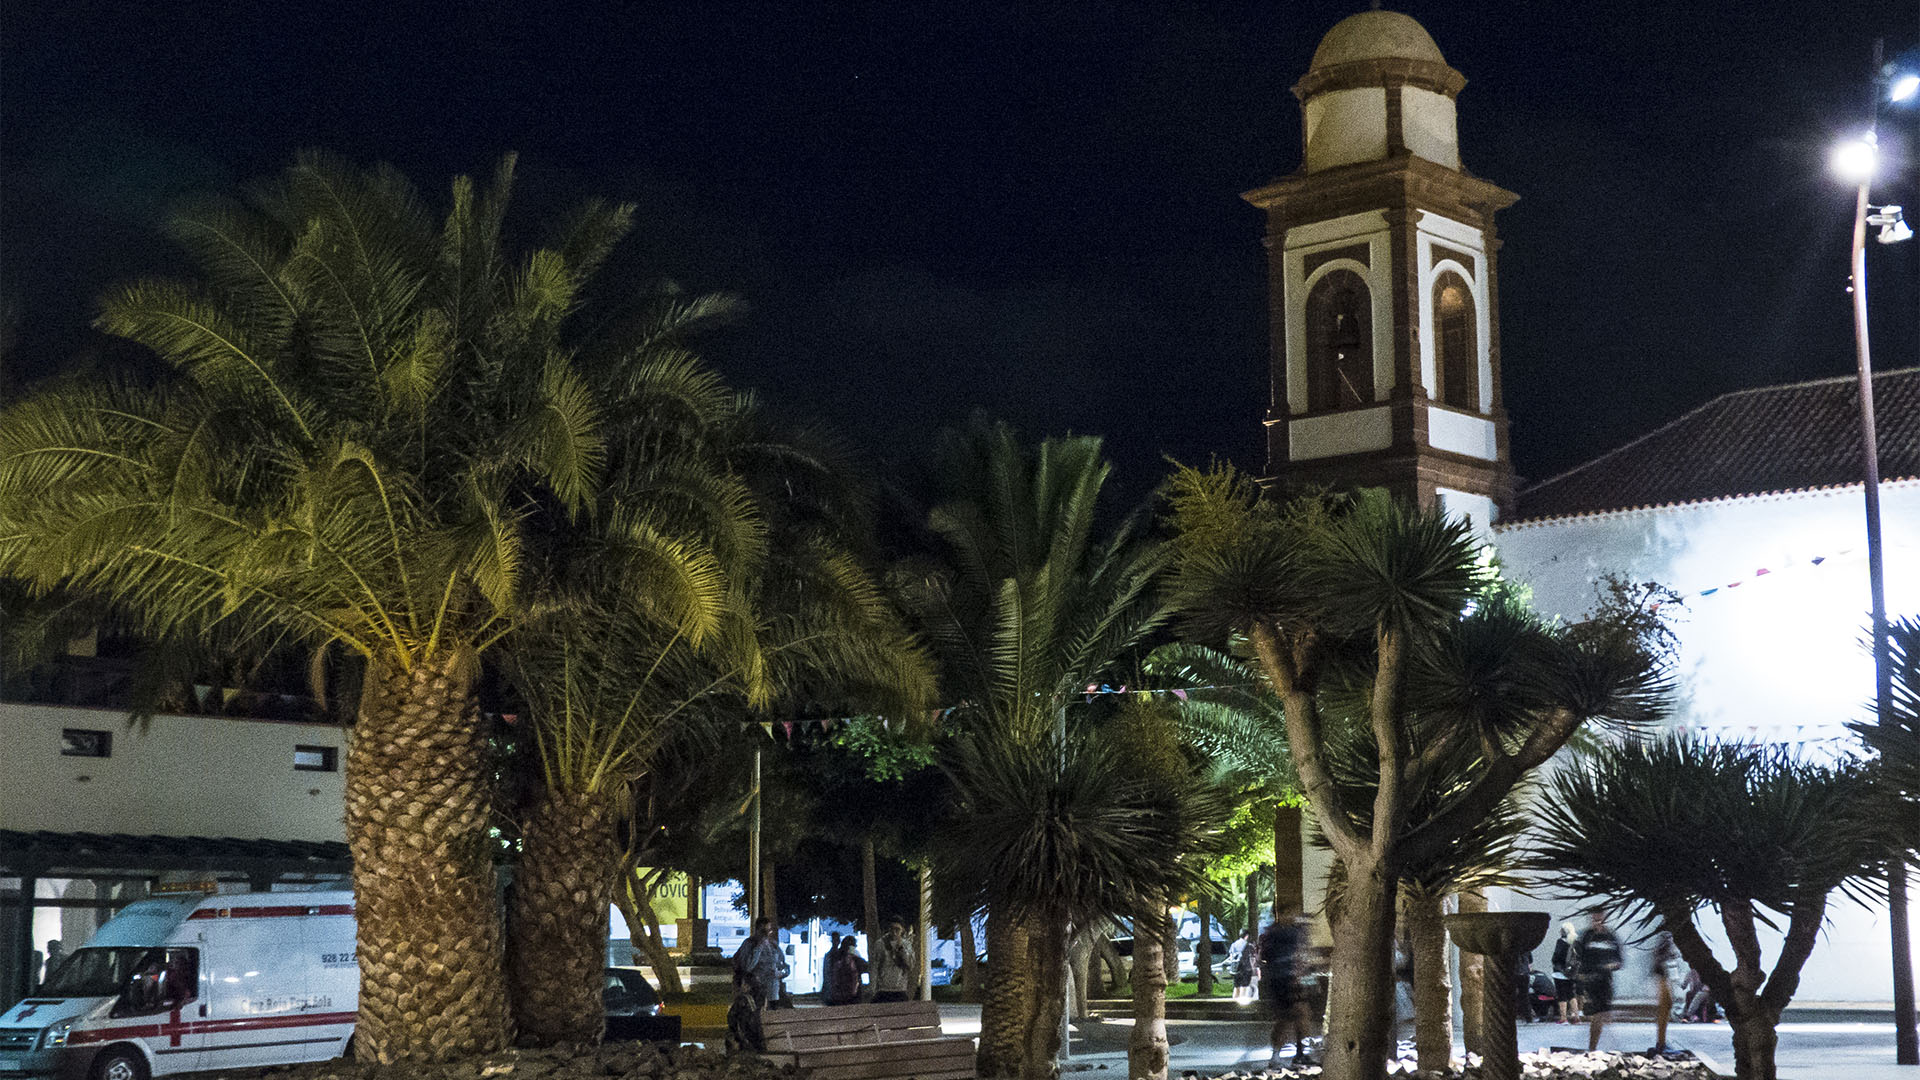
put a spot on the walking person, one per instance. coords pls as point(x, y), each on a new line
point(1243, 959)
point(1665, 955)
point(1596, 957)
point(1564, 988)
point(844, 969)
point(894, 975)
point(1280, 991)
point(758, 968)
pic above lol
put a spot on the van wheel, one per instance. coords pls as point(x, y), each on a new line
point(119, 1063)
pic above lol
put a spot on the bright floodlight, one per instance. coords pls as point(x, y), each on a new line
point(1853, 160)
point(1904, 87)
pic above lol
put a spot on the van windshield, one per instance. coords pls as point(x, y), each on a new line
point(96, 972)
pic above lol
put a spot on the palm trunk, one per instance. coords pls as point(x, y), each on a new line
point(1109, 958)
point(1253, 905)
point(557, 923)
point(1169, 950)
point(1432, 983)
point(1148, 1047)
point(1047, 954)
point(1289, 879)
point(969, 961)
point(869, 896)
point(1473, 974)
point(417, 795)
point(1007, 1001)
point(1360, 1002)
point(1203, 946)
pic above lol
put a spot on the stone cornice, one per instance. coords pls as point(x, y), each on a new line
point(1384, 71)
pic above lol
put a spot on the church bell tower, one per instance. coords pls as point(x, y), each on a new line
point(1383, 299)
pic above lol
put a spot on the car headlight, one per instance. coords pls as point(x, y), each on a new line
point(56, 1035)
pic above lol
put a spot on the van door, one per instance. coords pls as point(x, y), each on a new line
point(259, 1012)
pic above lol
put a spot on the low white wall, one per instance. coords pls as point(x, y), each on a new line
point(180, 776)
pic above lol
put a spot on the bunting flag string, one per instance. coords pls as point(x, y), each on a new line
point(934, 717)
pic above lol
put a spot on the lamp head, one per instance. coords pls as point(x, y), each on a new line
point(1903, 87)
point(1854, 159)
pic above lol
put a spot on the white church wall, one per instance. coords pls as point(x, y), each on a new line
point(1352, 432)
point(1461, 433)
point(1776, 602)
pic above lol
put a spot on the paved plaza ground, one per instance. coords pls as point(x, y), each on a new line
point(1827, 1047)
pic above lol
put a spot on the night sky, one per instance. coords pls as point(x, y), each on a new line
point(1031, 209)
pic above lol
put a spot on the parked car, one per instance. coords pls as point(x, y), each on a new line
point(634, 1012)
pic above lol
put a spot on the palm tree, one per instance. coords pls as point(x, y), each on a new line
point(362, 410)
point(611, 679)
point(1066, 832)
point(1664, 830)
point(1024, 608)
point(1369, 616)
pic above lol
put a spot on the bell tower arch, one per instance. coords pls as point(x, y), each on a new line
point(1383, 300)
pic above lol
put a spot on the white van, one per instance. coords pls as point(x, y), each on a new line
point(175, 985)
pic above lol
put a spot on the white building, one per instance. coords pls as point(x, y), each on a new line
point(97, 812)
point(1751, 508)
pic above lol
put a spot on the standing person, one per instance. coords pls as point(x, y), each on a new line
point(1698, 1004)
point(1564, 987)
point(1665, 954)
point(845, 966)
point(758, 968)
point(1596, 956)
point(1243, 959)
point(758, 962)
point(893, 969)
point(1280, 990)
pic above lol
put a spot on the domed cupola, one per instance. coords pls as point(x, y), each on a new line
point(1378, 87)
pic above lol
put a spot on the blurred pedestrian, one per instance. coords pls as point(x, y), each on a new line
point(1564, 988)
point(1280, 991)
point(1596, 955)
point(1665, 955)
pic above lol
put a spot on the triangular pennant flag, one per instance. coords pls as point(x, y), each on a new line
point(826, 725)
point(787, 726)
point(1181, 694)
point(767, 726)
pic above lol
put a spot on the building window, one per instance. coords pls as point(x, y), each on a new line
point(1339, 343)
point(316, 759)
point(1456, 345)
point(85, 742)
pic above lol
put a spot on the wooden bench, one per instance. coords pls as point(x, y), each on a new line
point(889, 1041)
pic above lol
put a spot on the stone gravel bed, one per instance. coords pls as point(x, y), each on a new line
point(612, 1061)
point(1556, 1065)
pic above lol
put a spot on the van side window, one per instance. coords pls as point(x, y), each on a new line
point(166, 979)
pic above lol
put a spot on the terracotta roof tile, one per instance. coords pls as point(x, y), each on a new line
point(1750, 442)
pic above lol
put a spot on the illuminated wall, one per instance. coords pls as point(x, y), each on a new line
point(1771, 636)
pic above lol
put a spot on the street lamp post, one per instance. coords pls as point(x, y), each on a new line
point(1856, 161)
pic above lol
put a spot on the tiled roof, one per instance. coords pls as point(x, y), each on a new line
point(1769, 439)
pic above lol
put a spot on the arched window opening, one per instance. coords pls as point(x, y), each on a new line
point(1456, 343)
point(1339, 343)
